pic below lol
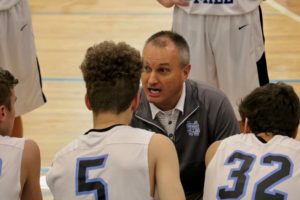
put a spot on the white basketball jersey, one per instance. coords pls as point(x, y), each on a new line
point(103, 164)
point(7, 4)
point(245, 168)
point(11, 151)
point(221, 7)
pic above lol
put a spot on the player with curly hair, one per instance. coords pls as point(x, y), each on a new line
point(113, 160)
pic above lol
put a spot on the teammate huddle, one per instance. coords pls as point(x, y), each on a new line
point(176, 138)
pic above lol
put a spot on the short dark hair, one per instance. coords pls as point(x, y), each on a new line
point(272, 108)
point(7, 84)
point(159, 39)
point(112, 73)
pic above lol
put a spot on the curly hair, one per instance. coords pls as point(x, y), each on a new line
point(112, 73)
point(159, 40)
point(272, 108)
point(7, 84)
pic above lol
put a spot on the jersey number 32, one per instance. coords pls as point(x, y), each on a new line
point(264, 187)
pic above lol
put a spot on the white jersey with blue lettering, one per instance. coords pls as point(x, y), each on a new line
point(243, 167)
point(221, 7)
point(109, 163)
point(11, 151)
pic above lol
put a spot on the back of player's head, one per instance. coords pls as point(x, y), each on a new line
point(111, 72)
point(7, 83)
point(160, 39)
point(272, 108)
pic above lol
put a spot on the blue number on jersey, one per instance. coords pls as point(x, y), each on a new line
point(0, 166)
point(263, 187)
point(239, 175)
point(86, 185)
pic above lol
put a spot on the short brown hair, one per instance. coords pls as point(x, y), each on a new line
point(159, 40)
point(273, 108)
point(7, 83)
point(112, 73)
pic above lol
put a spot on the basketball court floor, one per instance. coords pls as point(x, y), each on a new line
point(64, 29)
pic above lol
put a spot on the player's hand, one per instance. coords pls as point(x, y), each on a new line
point(181, 2)
point(170, 3)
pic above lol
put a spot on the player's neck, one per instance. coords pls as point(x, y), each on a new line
point(266, 135)
point(104, 120)
point(4, 132)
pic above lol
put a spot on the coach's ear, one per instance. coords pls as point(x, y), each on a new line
point(87, 102)
point(186, 71)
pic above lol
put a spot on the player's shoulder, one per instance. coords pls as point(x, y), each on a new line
point(128, 134)
point(222, 146)
point(141, 131)
point(12, 142)
point(160, 139)
point(287, 142)
point(31, 153)
point(237, 137)
point(31, 145)
point(161, 144)
point(242, 138)
point(67, 149)
point(211, 151)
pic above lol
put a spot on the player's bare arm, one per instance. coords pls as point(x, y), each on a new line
point(30, 174)
point(163, 154)
point(211, 152)
point(170, 3)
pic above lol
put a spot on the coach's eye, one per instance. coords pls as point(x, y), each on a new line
point(146, 68)
point(163, 70)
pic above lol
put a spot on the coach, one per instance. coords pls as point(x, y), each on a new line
point(192, 114)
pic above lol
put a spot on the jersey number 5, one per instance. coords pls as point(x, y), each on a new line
point(264, 187)
point(86, 185)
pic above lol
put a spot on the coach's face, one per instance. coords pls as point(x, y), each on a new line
point(163, 77)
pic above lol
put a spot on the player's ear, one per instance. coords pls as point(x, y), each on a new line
point(294, 135)
point(135, 102)
point(2, 112)
point(87, 102)
point(246, 127)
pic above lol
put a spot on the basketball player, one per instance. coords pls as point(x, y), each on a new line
point(18, 55)
point(265, 162)
point(19, 158)
point(226, 42)
point(113, 160)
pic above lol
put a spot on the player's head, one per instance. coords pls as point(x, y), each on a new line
point(273, 108)
point(7, 101)
point(166, 67)
point(111, 72)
